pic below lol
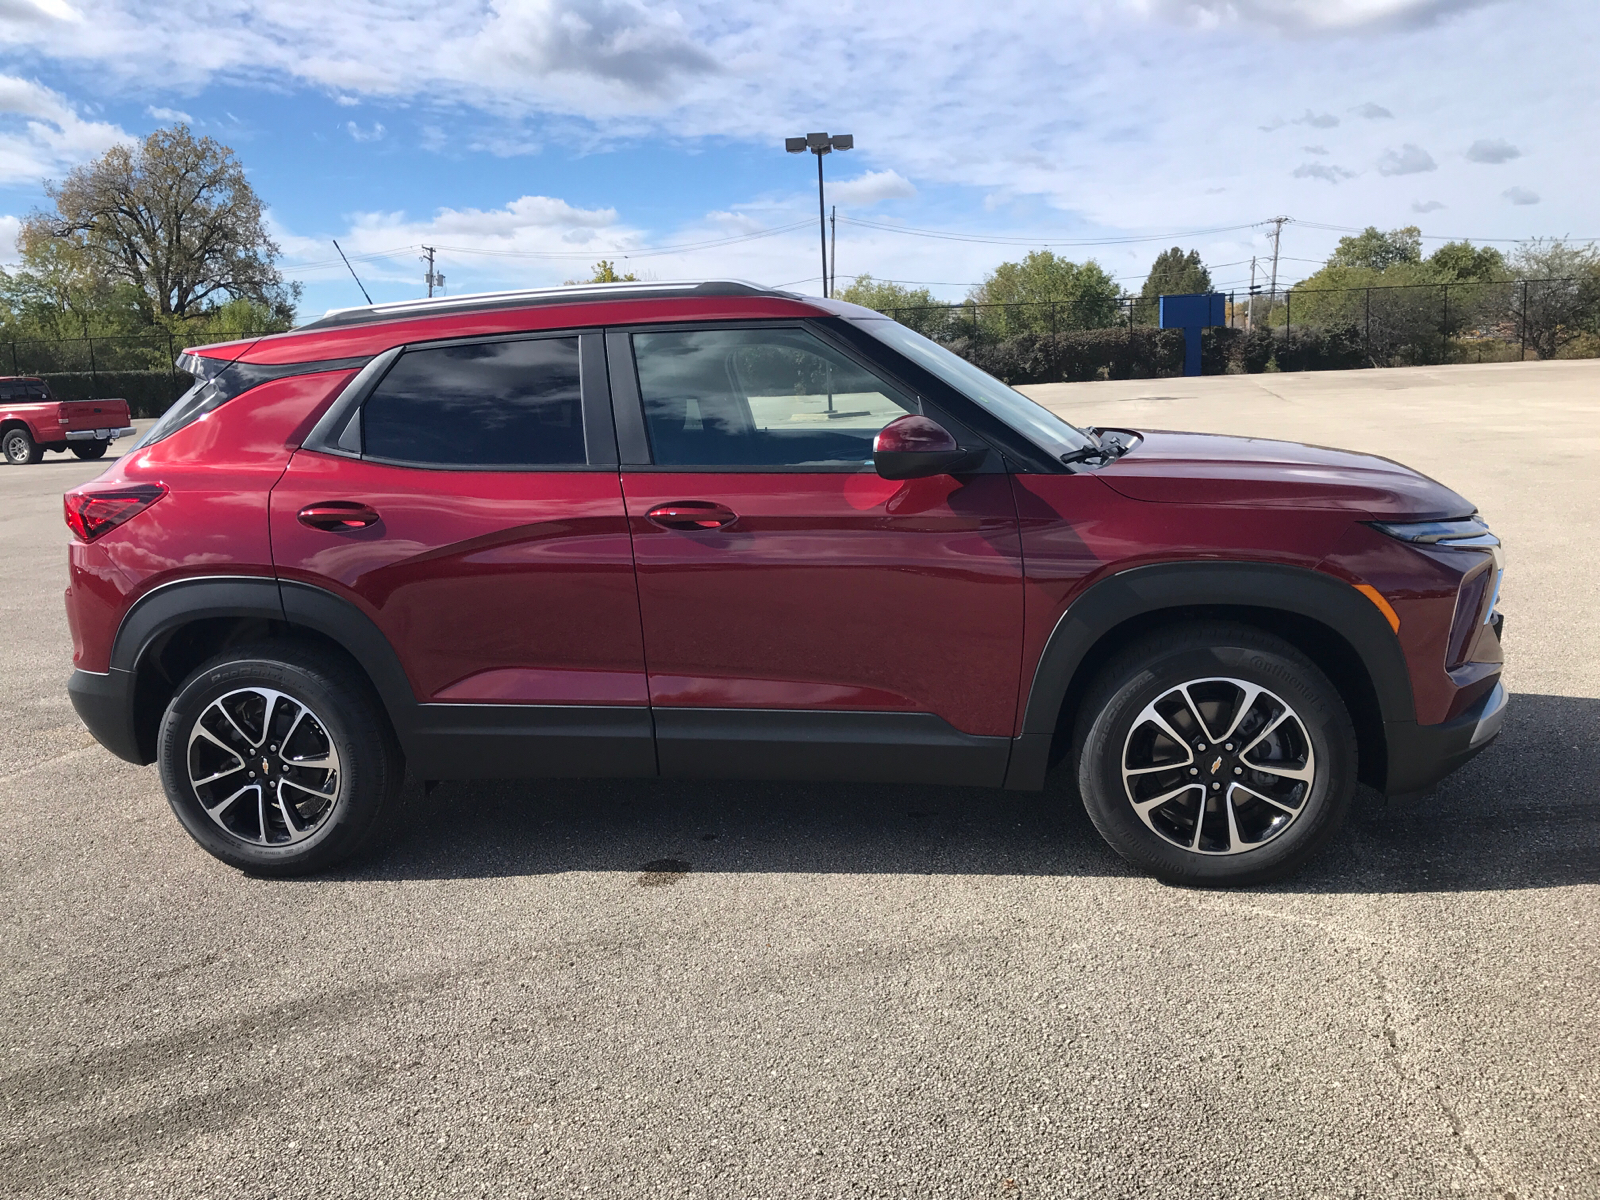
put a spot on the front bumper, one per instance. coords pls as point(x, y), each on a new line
point(102, 435)
point(1421, 755)
point(105, 704)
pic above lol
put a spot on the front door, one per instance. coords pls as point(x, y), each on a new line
point(803, 616)
point(481, 528)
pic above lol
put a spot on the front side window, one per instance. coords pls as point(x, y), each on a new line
point(777, 397)
point(1028, 417)
point(482, 404)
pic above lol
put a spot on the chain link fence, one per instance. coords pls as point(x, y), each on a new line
point(1380, 326)
point(140, 368)
point(1421, 324)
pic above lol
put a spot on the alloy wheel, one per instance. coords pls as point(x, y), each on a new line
point(1218, 766)
point(263, 767)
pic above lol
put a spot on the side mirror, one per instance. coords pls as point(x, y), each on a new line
point(915, 447)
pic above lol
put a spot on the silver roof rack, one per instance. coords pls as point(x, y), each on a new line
point(442, 304)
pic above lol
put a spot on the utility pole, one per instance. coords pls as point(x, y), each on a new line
point(820, 144)
point(432, 278)
point(833, 249)
point(1250, 306)
point(1277, 234)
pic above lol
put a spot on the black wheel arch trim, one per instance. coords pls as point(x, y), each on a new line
point(1272, 588)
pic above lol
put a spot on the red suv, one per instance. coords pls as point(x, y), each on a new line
point(718, 531)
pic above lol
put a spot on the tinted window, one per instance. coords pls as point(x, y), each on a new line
point(485, 404)
point(24, 390)
point(758, 398)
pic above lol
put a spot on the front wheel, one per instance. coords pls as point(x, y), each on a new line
point(1215, 755)
point(19, 448)
point(90, 450)
point(277, 760)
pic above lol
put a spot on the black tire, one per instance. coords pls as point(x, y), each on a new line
point(1241, 838)
point(19, 448)
point(89, 450)
point(348, 727)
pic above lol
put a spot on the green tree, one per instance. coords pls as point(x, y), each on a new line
point(1376, 250)
point(1173, 273)
point(1468, 263)
point(1059, 294)
point(173, 217)
point(914, 308)
point(1560, 301)
point(605, 271)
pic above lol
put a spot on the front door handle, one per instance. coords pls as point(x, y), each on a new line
point(338, 515)
point(691, 515)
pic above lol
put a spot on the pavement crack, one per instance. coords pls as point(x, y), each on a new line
point(1395, 1056)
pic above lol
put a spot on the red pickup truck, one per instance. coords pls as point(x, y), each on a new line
point(33, 421)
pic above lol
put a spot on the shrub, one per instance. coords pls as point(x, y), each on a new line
point(148, 393)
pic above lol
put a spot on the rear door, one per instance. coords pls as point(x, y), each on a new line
point(802, 616)
point(470, 507)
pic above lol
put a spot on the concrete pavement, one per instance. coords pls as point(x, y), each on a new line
point(862, 991)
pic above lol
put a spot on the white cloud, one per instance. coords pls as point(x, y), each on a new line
point(169, 114)
point(1426, 206)
point(1308, 16)
point(1492, 150)
point(375, 134)
point(9, 228)
point(1372, 112)
point(871, 188)
point(42, 135)
point(1521, 195)
point(1073, 118)
point(1325, 171)
point(1317, 120)
point(27, 12)
point(1410, 159)
point(1315, 149)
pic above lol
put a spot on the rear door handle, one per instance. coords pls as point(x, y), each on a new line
point(336, 515)
point(692, 514)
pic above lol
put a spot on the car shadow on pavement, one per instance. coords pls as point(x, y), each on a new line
point(1524, 814)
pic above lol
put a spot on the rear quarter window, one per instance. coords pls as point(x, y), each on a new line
point(511, 403)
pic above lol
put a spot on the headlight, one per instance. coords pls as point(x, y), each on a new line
point(1467, 533)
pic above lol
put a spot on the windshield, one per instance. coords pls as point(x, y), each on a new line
point(1037, 423)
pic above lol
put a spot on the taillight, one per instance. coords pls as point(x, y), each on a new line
point(89, 514)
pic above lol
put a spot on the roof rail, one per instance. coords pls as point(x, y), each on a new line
point(444, 305)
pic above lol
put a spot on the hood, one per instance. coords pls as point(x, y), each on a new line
point(1204, 468)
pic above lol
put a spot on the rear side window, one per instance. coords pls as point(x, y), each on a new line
point(25, 390)
point(483, 404)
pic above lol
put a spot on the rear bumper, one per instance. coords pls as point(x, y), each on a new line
point(1421, 755)
point(105, 704)
point(103, 435)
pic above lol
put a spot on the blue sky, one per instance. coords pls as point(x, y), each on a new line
point(528, 138)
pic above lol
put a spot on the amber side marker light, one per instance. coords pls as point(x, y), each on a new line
point(89, 514)
point(1387, 609)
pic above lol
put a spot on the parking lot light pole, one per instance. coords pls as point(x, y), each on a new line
point(820, 144)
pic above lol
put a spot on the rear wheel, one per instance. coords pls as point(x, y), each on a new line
point(19, 447)
point(276, 760)
point(1214, 755)
point(89, 450)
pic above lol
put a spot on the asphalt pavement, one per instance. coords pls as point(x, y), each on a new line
point(673, 989)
